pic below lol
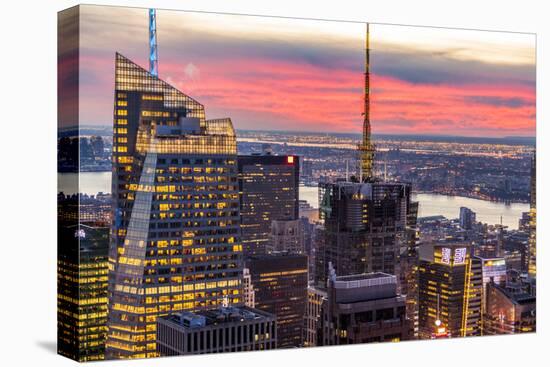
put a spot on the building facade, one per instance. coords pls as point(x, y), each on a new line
point(364, 308)
point(280, 282)
point(467, 218)
point(268, 187)
point(316, 300)
point(82, 291)
point(532, 253)
point(365, 227)
point(450, 290)
point(248, 289)
point(492, 270)
point(287, 235)
point(175, 242)
point(228, 329)
point(509, 310)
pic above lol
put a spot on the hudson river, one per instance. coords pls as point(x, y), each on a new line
point(430, 204)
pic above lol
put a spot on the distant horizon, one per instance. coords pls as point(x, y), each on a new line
point(280, 73)
point(108, 126)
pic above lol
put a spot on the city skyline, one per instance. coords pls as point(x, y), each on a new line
point(212, 244)
point(485, 83)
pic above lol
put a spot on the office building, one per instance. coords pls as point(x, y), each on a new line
point(82, 266)
point(316, 299)
point(307, 169)
point(248, 289)
point(175, 242)
point(227, 329)
point(524, 221)
point(409, 260)
point(365, 227)
point(82, 269)
point(287, 235)
point(450, 291)
point(268, 187)
point(492, 270)
point(532, 253)
point(367, 222)
point(364, 308)
point(467, 218)
point(509, 310)
point(280, 282)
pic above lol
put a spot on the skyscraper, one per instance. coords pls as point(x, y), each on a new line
point(175, 242)
point(409, 260)
point(268, 186)
point(364, 308)
point(532, 258)
point(280, 282)
point(467, 218)
point(367, 222)
point(82, 288)
point(365, 227)
point(316, 300)
point(450, 290)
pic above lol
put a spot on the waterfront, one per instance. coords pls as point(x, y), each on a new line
point(430, 204)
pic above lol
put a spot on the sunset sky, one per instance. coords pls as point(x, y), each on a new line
point(293, 74)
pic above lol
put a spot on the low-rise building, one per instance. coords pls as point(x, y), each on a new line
point(227, 329)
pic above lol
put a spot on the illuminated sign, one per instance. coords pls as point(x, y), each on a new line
point(446, 255)
point(80, 233)
point(290, 159)
point(450, 256)
point(459, 256)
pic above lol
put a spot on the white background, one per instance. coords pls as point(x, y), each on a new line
point(28, 181)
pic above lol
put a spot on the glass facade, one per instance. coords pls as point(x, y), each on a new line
point(366, 227)
point(280, 283)
point(175, 242)
point(268, 187)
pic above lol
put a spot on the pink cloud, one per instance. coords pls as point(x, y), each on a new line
point(284, 95)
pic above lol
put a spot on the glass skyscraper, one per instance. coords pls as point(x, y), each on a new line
point(366, 227)
point(175, 241)
point(269, 188)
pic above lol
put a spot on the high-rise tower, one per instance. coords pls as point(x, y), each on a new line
point(366, 148)
point(175, 236)
point(368, 225)
point(153, 53)
point(532, 255)
point(268, 186)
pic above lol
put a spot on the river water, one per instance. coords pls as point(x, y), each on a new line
point(430, 204)
point(449, 206)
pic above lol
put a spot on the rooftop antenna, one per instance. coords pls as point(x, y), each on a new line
point(153, 55)
point(366, 147)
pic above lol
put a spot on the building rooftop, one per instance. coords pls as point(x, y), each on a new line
point(364, 280)
point(517, 293)
point(362, 287)
point(223, 315)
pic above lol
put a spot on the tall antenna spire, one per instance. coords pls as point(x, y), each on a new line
point(366, 148)
point(153, 56)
